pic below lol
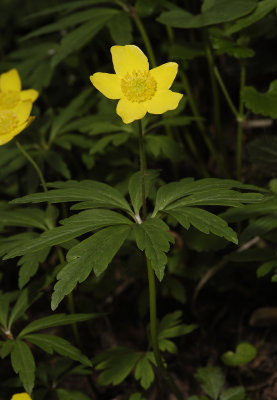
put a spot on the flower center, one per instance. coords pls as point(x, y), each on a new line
point(138, 86)
point(9, 99)
point(8, 122)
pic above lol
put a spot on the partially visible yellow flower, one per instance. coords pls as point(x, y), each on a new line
point(21, 396)
point(15, 106)
point(10, 91)
point(139, 90)
point(13, 121)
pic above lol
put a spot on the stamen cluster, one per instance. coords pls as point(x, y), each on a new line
point(138, 86)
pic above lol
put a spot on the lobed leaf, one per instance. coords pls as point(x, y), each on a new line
point(94, 253)
point(51, 343)
point(134, 187)
point(55, 320)
point(154, 238)
point(261, 103)
point(99, 194)
point(23, 364)
point(74, 226)
point(213, 12)
point(263, 8)
point(204, 221)
point(117, 364)
point(211, 380)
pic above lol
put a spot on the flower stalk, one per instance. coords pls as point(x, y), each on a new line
point(152, 284)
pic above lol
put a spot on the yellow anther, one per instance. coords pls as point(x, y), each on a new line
point(138, 86)
point(8, 122)
point(9, 99)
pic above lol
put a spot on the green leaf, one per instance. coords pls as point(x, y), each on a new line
point(263, 152)
point(245, 352)
point(120, 27)
point(204, 221)
point(234, 393)
point(68, 113)
point(6, 348)
point(99, 194)
point(55, 162)
point(5, 300)
point(164, 146)
point(173, 191)
point(64, 394)
point(170, 326)
point(136, 396)
point(259, 227)
point(134, 187)
point(266, 206)
point(211, 380)
point(83, 222)
point(29, 295)
point(219, 197)
point(263, 8)
point(55, 320)
point(23, 364)
point(66, 22)
point(26, 217)
point(144, 370)
point(261, 103)
point(65, 7)
point(266, 268)
point(29, 265)
point(50, 343)
point(94, 253)
point(80, 36)
point(154, 238)
point(213, 12)
point(117, 364)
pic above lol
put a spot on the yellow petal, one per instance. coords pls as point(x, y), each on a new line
point(164, 75)
point(163, 101)
point(10, 81)
point(3, 140)
point(21, 396)
point(130, 112)
point(127, 59)
point(23, 110)
point(30, 94)
point(108, 84)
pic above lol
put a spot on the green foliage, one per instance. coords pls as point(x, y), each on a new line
point(213, 12)
point(261, 103)
point(170, 327)
point(94, 253)
point(154, 238)
point(215, 150)
point(245, 352)
point(211, 380)
point(117, 364)
point(23, 364)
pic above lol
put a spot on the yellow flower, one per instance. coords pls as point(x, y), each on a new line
point(15, 106)
point(10, 91)
point(13, 121)
point(139, 90)
point(21, 396)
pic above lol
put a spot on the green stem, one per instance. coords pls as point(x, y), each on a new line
point(34, 164)
point(145, 38)
point(151, 281)
point(154, 335)
point(216, 104)
point(142, 169)
point(225, 92)
point(70, 302)
point(240, 120)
